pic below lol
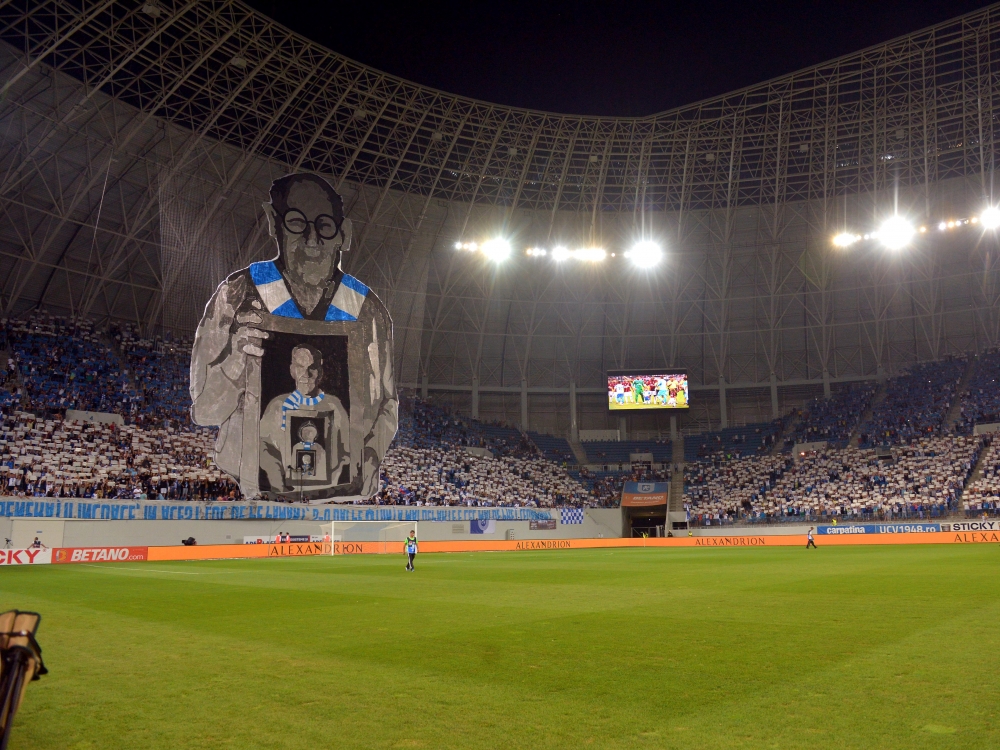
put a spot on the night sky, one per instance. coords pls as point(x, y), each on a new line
point(602, 58)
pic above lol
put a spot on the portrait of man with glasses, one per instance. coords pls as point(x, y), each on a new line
point(259, 314)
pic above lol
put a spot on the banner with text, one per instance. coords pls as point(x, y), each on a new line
point(161, 510)
point(847, 529)
point(25, 556)
point(99, 554)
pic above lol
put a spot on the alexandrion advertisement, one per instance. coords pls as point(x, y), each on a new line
point(961, 532)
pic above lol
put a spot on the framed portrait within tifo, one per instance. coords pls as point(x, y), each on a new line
point(305, 437)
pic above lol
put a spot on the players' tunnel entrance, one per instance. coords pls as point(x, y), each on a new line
point(646, 521)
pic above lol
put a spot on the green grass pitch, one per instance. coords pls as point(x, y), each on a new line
point(847, 647)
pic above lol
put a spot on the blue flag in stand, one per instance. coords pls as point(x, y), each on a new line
point(483, 527)
point(571, 515)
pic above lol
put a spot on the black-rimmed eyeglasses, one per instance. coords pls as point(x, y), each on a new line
point(296, 222)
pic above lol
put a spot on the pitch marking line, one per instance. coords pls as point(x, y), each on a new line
point(158, 570)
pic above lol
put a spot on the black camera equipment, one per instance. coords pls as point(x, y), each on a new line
point(20, 663)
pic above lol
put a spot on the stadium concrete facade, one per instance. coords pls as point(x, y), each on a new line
point(138, 139)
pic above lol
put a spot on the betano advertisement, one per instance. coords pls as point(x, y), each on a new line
point(644, 494)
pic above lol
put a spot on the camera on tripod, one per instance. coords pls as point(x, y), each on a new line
point(20, 663)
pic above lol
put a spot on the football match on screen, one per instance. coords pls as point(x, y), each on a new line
point(505, 375)
point(643, 391)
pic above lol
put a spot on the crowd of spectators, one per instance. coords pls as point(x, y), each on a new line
point(732, 442)
point(606, 486)
point(430, 463)
point(923, 479)
point(832, 420)
point(450, 475)
point(65, 364)
point(981, 400)
point(160, 369)
point(52, 457)
point(441, 459)
point(982, 496)
point(915, 403)
point(724, 491)
point(10, 389)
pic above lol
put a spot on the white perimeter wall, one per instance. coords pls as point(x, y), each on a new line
point(597, 522)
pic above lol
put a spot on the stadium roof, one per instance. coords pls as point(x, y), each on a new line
point(918, 108)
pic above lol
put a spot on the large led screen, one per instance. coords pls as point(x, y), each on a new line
point(647, 389)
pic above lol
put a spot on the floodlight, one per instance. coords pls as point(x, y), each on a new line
point(990, 218)
point(645, 254)
point(845, 239)
point(560, 253)
point(592, 254)
point(896, 233)
point(458, 245)
point(497, 249)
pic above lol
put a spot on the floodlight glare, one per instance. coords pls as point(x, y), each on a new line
point(990, 218)
point(845, 239)
point(560, 253)
point(645, 254)
point(592, 254)
point(497, 249)
point(896, 233)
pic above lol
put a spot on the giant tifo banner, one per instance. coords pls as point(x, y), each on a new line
point(642, 494)
point(165, 510)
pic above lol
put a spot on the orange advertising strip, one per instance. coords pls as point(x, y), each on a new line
point(244, 551)
point(635, 500)
point(238, 551)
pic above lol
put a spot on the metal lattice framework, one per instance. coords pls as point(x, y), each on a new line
point(137, 141)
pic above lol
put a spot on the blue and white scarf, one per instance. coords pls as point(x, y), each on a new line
point(296, 401)
point(345, 305)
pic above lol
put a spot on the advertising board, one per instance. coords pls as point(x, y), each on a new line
point(25, 556)
point(643, 494)
point(64, 555)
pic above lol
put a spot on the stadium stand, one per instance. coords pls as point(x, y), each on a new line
point(553, 448)
point(619, 452)
point(56, 364)
point(833, 419)
point(725, 491)
point(733, 442)
point(982, 497)
point(160, 370)
point(51, 457)
point(924, 480)
point(430, 464)
point(606, 486)
point(915, 403)
point(981, 400)
point(63, 364)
